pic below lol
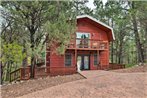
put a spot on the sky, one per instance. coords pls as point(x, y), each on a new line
point(91, 5)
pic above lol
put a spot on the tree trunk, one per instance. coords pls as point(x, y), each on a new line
point(112, 52)
point(24, 62)
point(116, 52)
point(7, 71)
point(32, 58)
point(121, 37)
point(1, 72)
point(128, 59)
point(32, 68)
point(120, 53)
point(145, 46)
point(137, 39)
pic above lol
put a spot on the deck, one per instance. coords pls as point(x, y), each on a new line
point(87, 44)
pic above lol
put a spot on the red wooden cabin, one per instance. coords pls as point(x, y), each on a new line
point(89, 50)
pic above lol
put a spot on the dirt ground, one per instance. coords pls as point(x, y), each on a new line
point(29, 86)
point(98, 84)
point(103, 84)
point(133, 69)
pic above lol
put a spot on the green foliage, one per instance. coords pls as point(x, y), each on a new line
point(59, 31)
point(40, 18)
point(36, 22)
point(12, 53)
point(80, 8)
point(11, 58)
point(117, 14)
point(129, 65)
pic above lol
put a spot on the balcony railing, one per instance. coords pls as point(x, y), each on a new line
point(88, 44)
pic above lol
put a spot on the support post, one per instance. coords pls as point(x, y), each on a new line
point(76, 58)
point(98, 59)
point(45, 58)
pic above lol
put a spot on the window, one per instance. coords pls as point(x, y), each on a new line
point(95, 59)
point(82, 40)
point(68, 59)
point(83, 35)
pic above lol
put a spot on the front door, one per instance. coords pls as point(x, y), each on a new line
point(83, 62)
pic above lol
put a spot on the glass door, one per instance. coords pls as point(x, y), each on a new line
point(83, 62)
point(86, 62)
point(79, 63)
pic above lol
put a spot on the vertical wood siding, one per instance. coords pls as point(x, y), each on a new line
point(57, 61)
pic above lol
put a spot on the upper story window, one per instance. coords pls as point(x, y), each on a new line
point(82, 40)
point(82, 35)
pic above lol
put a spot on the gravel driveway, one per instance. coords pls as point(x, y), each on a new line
point(99, 84)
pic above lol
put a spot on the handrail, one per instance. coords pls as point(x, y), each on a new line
point(15, 75)
point(87, 44)
point(89, 39)
point(23, 73)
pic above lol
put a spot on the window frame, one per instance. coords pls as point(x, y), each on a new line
point(79, 39)
point(83, 33)
point(97, 62)
point(65, 60)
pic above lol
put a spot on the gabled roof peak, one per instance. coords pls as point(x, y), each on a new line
point(97, 21)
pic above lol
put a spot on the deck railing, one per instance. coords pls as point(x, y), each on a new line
point(88, 44)
point(116, 66)
point(25, 73)
point(15, 75)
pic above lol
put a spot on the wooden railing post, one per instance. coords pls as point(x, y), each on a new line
point(20, 73)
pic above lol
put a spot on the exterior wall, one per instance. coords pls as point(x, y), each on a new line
point(96, 33)
point(47, 58)
point(104, 58)
point(92, 66)
point(57, 66)
point(56, 62)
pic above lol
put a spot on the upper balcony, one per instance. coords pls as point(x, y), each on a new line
point(87, 44)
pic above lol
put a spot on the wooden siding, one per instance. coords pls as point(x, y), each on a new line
point(96, 33)
point(56, 62)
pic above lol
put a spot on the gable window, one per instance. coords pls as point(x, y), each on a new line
point(68, 59)
point(82, 40)
point(83, 35)
point(95, 59)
